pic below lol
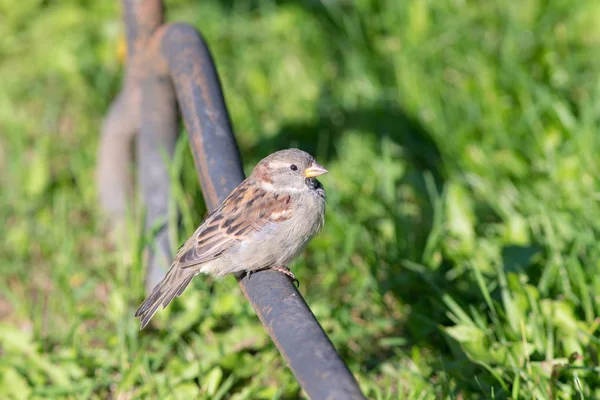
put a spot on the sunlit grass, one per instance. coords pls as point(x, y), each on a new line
point(459, 257)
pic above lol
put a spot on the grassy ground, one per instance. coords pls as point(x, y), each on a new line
point(459, 257)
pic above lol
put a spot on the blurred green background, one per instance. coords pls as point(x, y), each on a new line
point(459, 257)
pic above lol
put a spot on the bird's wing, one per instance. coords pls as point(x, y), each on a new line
point(245, 211)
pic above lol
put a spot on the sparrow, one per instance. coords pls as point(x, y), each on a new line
point(263, 224)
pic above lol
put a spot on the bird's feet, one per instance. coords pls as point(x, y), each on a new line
point(287, 272)
point(283, 270)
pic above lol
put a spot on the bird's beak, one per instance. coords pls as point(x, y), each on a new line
point(314, 170)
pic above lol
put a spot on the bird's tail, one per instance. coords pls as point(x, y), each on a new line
point(173, 284)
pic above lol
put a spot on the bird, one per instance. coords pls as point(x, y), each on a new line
point(264, 223)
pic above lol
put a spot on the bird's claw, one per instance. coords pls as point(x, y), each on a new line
point(287, 272)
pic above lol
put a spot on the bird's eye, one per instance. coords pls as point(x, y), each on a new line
point(293, 167)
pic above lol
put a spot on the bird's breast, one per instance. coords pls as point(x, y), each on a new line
point(278, 243)
point(307, 221)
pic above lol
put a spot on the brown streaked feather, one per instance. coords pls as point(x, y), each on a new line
point(246, 210)
point(173, 284)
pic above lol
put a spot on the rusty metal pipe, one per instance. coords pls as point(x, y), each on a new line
point(122, 123)
point(159, 128)
point(178, 54)
point(177, 62)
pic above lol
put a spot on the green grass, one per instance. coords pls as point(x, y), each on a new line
point(459, 257)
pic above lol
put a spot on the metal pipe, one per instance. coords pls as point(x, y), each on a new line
point(159, 128)
point(179, 52)
point(299, 337)
point(122, 122)
point(177, 62)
